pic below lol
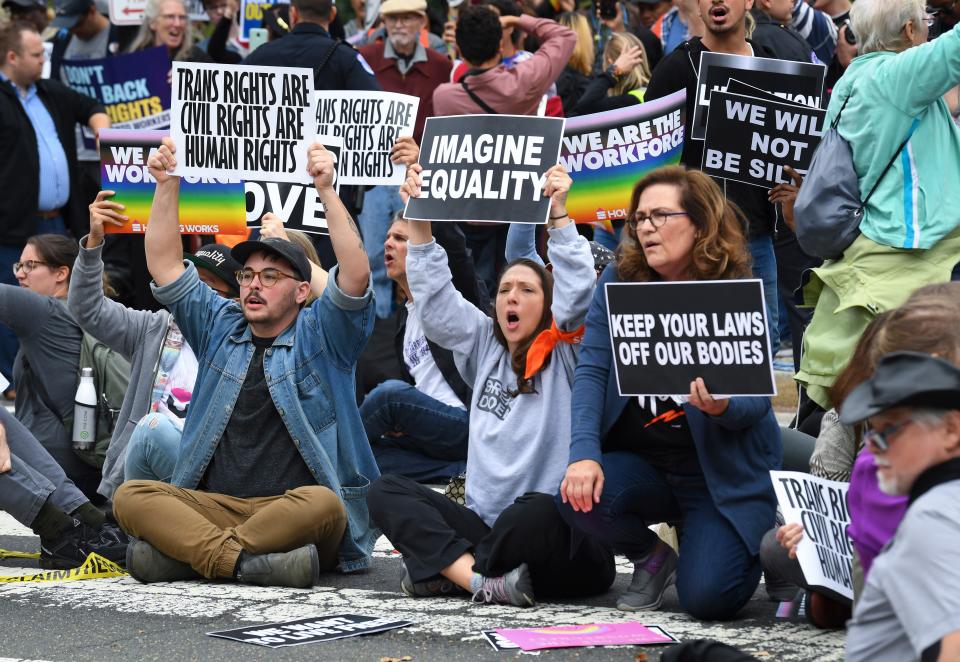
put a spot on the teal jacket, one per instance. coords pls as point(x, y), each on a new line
point(892, 96)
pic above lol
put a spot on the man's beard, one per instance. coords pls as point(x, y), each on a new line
point(403, 44)
point(889, 485)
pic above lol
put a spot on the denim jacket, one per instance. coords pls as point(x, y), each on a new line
point(310, 376)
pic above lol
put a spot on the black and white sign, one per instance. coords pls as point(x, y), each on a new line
point(310, 630)
point(750, 140)
point(664, 335)
point(820, 505)
point(486, 168)
point(369, 123)
point(794, 82)
point(251, 123)
point(297, 205)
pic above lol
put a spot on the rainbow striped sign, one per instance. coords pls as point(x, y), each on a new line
point(607, 153)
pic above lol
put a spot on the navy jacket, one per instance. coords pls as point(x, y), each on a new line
point(736, 449)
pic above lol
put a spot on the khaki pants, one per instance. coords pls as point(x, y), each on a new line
point(208, 531)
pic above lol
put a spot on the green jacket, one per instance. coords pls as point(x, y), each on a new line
point(891, 95)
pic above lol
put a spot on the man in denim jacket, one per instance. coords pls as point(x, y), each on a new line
point(274, 464)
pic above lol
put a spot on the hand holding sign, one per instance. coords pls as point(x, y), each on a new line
point(271, 225)
point(321, 165)
point(786, 195)
point(405, 151)
point(556, 185)
point(103, 211)
point(162, 162)
point(701, 399)
point(411, 185)
point(789, 536)
point(582, 485)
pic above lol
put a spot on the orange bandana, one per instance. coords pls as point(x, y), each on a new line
point(544, 344)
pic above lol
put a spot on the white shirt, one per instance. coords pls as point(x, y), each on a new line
point(426, 375)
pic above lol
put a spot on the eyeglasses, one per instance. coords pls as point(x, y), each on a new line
point(268, 277)
point(933, 12)
point(402, 18)
point(929, 18)
point(656, 218)
point(880, 439)
point(27, 266)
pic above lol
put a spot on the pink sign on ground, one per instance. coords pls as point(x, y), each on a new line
point(597, 634)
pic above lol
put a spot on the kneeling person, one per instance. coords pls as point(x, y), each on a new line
point(274, 463)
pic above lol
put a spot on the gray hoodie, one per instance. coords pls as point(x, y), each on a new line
point(517, 444)
point(137, 335)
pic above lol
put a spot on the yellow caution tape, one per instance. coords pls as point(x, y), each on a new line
point(12, 554)
point(95, 567)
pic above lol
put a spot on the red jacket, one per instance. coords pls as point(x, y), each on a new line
point(420, 81)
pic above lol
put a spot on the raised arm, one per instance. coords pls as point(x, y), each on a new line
point(162, 240)
point(353, 274)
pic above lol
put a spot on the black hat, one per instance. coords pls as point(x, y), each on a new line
point(904, 379)
point(217, 259)
point(69, 12)
point(25, 4)
point(288, 250)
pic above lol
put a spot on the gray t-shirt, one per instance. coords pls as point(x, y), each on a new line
point(912, 596)
point(86, 49)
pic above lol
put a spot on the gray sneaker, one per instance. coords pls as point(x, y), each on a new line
point(147, 564)
point(514, 588)
point(298, 568)
point(651, 578)
point(429, 588)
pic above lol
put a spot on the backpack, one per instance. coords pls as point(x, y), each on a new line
point(828, 209)
point(111, 376)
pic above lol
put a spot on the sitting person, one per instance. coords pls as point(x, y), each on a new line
point(708, 470)
point(909, 606)
point(269, 486)
point(509, 541)
point(37, 493)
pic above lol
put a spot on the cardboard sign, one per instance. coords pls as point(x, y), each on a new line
point(795, 82)
point(131, 12)
point(607, 153)
point(820, 505)
point(310, 630)
point(369, 123)
point(207, 205)
point(750, 140)
point(666, 334)
point(251, 16)
point(252, 123)
point(132, 87)
point(486, 168)
point(595, 634)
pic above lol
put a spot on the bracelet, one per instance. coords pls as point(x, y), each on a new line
point(556, 218)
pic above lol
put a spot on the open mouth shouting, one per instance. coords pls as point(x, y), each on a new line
point(513, 320)
point(254, 302)
point(718, 15)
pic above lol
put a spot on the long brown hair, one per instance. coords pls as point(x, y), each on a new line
point(720, 251)
point(519, 356)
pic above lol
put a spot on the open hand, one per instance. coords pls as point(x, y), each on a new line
point(628, 60)
point(583, 485)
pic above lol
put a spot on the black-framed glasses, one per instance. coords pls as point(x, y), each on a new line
point(880, 439)
point(657, 218)
point(268, 277)
point(27, 265)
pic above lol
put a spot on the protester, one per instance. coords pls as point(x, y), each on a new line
point(614, 17)
point(508, 541)
point(945, 13)
point(725, 25)
point(679, 24)
point(39, 165)
point(356, 26)
point(574, 78)
point(224, 43)
point(818, 22)
point(772, 29)
point(650, 11)
point(273, 473)
point(710, 474)
point(623, 81)
point(910, 602)
point(889, 96)
point(167, 23)
point(33, 12)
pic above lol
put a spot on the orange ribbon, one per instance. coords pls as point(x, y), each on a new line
point(544, 344)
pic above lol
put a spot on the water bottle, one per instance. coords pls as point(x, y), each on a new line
point(85, 413)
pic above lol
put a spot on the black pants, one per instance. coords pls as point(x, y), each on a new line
point(432, 532)
point(792, 262)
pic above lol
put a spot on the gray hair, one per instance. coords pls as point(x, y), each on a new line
point(878, 24)
point(928, 417)
point(145, 36)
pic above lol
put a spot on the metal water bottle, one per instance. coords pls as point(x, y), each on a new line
point(85, 412)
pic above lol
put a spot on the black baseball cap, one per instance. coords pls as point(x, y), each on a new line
point(904, 379)
point(288, 250)
point(217, 259)
point(69, 12)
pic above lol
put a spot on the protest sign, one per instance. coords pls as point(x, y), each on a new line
point(607, 153)
point(207, 205)
point(310, 630)
point(750, 140)
point(368, 123)
point(297, 205)
point(486, 168)
point(252, 123)
point(666, 334)
point(820, 505)
point(794, 82)
point(594, 634)
point(251, 16)
point(131, 12)
point(132, 87)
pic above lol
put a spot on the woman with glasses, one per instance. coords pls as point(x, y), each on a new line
point(167, 23)
point(45, 370)
point(690, 459)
